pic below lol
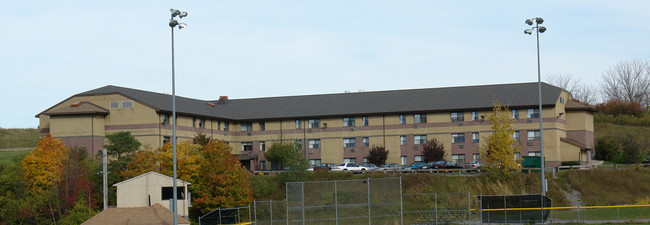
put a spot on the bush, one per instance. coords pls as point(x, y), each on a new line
point(620, 107)
point(571, 163)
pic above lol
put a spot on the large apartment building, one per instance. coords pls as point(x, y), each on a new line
point(334, 128)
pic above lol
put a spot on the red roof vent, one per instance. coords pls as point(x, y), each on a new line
point(210, 104)
point(223, 97)
point(222, 100)
point(76, 104)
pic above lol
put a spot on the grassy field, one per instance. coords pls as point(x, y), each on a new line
point(18, 138)
point(9, 156)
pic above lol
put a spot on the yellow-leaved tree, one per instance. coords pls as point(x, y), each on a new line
point(499, 149)
point(44, 166)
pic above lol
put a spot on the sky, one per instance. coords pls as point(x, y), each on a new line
point(52, 50)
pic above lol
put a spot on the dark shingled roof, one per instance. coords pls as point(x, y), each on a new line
point(465, 98)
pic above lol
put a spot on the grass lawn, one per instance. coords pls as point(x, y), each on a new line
point(623, 214)
point(9, 156)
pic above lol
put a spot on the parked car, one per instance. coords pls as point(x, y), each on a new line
point(390, 166)
point(415, 166)
point(473, 165)
point(451, 165)
point(369, 166)
point(324, 167)
point(433, 165)
point(349, 166)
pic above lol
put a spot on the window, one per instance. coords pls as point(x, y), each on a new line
point(114, 105)
point(402, 140)
point(166, 139)
point(419, 158)
point(226, 126)
point(168, 193)
point(534, 154)
point(366, 160)
point(201, 123)
point(532, 113)
point(515, 135)
point(165, 118)
point(474, 115)
point(366, 141)
point(299, 142)
point(561, 100)
point(248, 126)
point(262, 145)
point(404, 160)
point(264, 165)
point(348, 121)
point(262, 126)
point(515, 113)
point(419, 118)
point(298, 124)
point(247, 146)
point(314, 123)
point(402, 119)
point(364, 121)
point(420, 139)
point(458, 158)
point(127, 104)
point(457, 116)
point(475, 137)
point(314, 162)
point(350, 160)
point(476, 156)
point(314, 143)
point(458, 138)
point(533, 135)
point(349, 142)
point(193, 122)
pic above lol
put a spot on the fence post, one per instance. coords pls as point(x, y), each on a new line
point(303, 202)
point(271, 210)
point(505, 214)
point(469, 206)
point(368, 187)
point(336, 203)
point(436, 203)
point(219, 214)
point(249, 213)
point(401, 203)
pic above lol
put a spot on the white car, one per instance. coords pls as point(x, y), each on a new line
point(350, 167)
point(369, 166)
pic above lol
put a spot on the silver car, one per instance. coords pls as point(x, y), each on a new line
point(390, 166)
point(369, 166)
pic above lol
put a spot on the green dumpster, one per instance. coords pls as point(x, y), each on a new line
point(532, 162)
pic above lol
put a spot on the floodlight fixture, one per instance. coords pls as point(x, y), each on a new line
point(183, 14)
point(541, 29)
point(182, 25)
point(539, 20)
point(175, 12)
point(528, 31)
point(529, 22)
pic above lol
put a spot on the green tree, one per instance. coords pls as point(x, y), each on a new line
point(121, 144)
point(631, 150)
point(606, 149)
point(434, 151)
point(79, 213)
point(287, 154)
point(223, 181)
point(499, 149)
point(201, 139)
point(378, 155)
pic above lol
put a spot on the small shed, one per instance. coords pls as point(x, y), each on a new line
point(152, 188)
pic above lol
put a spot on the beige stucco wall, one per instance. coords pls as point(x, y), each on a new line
point(136, 192)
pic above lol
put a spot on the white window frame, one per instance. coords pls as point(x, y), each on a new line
point(262, 145)
point(474, 115)
point(116, 106)
point(364, 120)
point(125, 104)
point(515, 135)
point(457, 135)
point(350, 160)
point(349, 142)
point(475, 137)
point(534, 154)
point(532, 113)
point(420, 118)
point(366, 141)
point(458, 158)
point(247, 126)
point(402, 119)
point(244, 144)
point(534, 135)
point(314, 123)
point(403, 140)
point(404, 160)
point(419, 158)
point(349, 121)
point(420, 139)
point(515, 113)
point(314, 143)
point(298, 124)
point(457, 116)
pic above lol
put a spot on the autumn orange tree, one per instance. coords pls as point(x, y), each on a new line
point(499, 149)
point(223, 181)
point(45, 165)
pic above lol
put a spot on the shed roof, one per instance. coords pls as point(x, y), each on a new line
point(155, 214)
point(148, 174)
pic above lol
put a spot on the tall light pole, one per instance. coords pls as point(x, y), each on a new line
point(174, 23)
point(539, 29)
